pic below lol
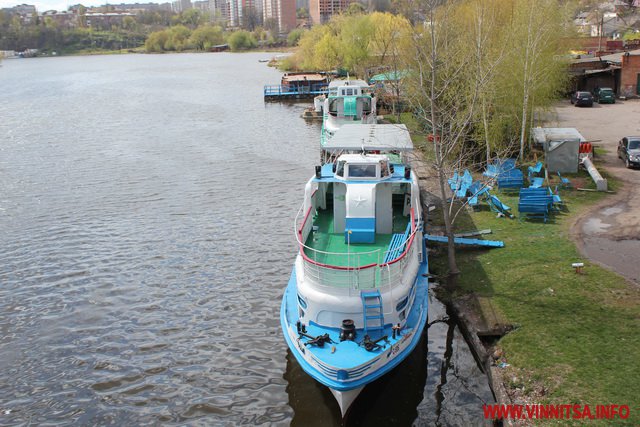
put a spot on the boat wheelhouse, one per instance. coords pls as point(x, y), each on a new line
point(356, 302)
point(347, 102)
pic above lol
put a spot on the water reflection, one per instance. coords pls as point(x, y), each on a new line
point(146, 239)
point(438, 384)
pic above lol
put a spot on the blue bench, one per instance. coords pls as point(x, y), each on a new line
point(565, 182)
point(511, 179)
point(454, 182)
point(557, 200)
point(396, 247)
point(536, 182)
point(499, 167)
point(465, 182)
point(533, 191)
point(531, 208)
point(532, 170)
point(510, 182)
point(497, 206)
point(478, 188)
point(535, 202)
point(360, 230)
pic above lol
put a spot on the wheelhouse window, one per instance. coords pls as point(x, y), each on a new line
point(362, 171)
point(340, 168)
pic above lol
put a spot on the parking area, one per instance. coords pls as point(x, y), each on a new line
point(610, 234)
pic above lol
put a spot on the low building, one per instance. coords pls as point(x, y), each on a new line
point(619, 71)
point(104, 20)
point(630, 74)
point(63, 19)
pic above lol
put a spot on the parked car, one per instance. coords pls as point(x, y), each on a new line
point(629, 150)
point(582, 99)
point(604, 95)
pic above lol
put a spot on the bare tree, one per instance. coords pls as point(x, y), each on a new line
point(445, 93)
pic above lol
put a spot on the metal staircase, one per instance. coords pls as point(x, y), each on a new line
point(372, 313)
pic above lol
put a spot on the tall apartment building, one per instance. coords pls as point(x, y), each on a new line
point(236, 10)
point(218, 10)
point(283, 11)
point(321, 11)
point(180, 5)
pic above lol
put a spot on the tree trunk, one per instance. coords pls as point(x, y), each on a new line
point(486, 130)
point(523, 131)
point(451, 249)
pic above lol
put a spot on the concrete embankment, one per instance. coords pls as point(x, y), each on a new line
point(473, 319)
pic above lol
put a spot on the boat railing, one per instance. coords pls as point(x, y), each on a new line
point(292, 89)
point(355, 274)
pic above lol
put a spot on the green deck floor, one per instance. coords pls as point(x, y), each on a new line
point(359, 253)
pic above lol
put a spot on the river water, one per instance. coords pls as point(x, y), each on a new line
point(146, 217)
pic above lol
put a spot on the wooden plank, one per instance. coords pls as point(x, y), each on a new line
point(473, 233)
point(463, 241)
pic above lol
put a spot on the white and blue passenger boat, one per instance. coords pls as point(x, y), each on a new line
point(356, 302)
point(348, 102)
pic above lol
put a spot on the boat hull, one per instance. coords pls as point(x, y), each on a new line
point(346, 381)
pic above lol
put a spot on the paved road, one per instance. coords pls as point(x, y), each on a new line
point(610, 234)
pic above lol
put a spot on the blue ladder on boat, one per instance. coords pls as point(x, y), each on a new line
point(372, 312)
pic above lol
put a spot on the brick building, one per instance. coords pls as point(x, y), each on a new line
point(630, 74)
point(283, 11)
point(619, 71)
point(321, 11)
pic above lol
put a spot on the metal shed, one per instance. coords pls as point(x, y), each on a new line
point(561, 147)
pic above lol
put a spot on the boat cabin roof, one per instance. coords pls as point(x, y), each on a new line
point(313, 77)
point(370, 137)
point(339, 83)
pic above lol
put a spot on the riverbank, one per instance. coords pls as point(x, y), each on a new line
point(570, 338)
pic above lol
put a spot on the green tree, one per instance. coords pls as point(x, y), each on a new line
point(156, 41)
point(178, 39)
point(294, 36)
point(241, 40)
point(355, 8)
point(354, 35)
point(191, 18)
point(128, 23)
point(537, 74)
point(204, 37)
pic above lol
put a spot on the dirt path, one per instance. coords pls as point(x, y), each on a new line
point(610, 233)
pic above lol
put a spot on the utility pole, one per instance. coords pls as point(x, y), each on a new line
point(600, 34)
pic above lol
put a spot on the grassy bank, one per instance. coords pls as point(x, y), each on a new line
point(576, 338)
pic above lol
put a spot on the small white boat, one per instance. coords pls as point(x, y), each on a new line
point(348, 102)
point(356, 302)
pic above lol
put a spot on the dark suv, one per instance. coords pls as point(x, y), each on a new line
point(582, 99)
point(604, 95)
point(629, 150)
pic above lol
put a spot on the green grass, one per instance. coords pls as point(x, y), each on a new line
point(577, 336)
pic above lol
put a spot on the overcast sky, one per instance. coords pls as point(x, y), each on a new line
point(43, 5)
